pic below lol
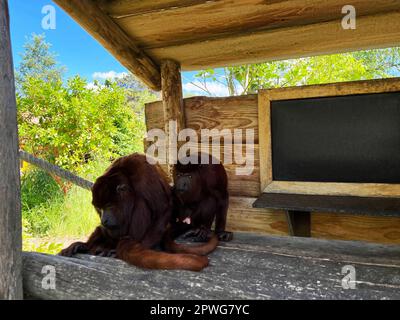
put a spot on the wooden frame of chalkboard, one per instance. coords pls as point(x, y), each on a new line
point(269, 185)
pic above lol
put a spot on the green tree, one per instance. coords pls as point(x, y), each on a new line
point(68, 124)
point(384, 62)
point(360, 65)
point(38, 62)
point(137, 95)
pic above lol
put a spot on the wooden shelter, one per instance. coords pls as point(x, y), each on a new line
point(156, 40)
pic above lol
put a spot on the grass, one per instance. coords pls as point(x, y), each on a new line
point(74, 216)
point(50, 218)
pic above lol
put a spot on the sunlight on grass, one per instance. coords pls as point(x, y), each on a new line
point(52, 220)
point(75, 217)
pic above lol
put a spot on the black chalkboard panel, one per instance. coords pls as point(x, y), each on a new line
point(353, 139)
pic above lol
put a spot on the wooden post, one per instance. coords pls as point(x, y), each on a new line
point(171, 84)
point(10, 207)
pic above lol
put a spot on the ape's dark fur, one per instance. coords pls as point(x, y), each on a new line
point(134, 202)
point(200, 196)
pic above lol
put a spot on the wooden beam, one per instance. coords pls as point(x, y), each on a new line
point(128, 8)
point(375, 31)
point(265, 140)
point(10, 201)
point(114, 39)
point(171, 83)
point(333, 89)
point(165, 23)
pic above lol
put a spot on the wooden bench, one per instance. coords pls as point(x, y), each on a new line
point(250, 267)
point(299, 207)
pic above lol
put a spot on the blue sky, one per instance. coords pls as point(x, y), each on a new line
point(76, 49)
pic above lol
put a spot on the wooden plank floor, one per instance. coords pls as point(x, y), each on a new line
point(250, 267)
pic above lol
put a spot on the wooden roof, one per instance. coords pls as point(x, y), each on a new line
point(213, 33)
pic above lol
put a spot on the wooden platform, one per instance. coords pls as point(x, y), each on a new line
point(250, 267)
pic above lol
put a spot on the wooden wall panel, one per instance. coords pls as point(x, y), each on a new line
point(217, 112)
point(211, 113)
point(349, 227)
point(243, 217)
point(245, 186)
point(239, 185)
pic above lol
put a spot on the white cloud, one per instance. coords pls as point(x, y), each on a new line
point(93, 86)
point(215, 88)
point(109, 75)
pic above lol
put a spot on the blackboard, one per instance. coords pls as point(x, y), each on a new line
point(354, 139)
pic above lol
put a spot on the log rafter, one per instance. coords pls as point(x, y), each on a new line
point(114, 39)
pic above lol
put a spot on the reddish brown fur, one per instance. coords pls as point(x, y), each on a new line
point(137, 197)
point(201, 194)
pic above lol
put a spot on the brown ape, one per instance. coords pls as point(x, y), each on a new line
point(134, 201)
point(200, 196)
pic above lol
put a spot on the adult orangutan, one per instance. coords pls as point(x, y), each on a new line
point(134, 201)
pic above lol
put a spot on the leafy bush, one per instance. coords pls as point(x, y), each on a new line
point(59, 215)
point(38, 188)
point(39, 191)
point(29, 243)
point(70, 124)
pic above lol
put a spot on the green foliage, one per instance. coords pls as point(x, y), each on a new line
point(69, 124)
point(38, 61)
point(38, 188)
point(29, 243)
point(75, 217)
point(360, 65)
point(71, 215)
point(382, 62)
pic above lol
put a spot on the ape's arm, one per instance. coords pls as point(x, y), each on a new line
point(97, 244)
point(220, 219)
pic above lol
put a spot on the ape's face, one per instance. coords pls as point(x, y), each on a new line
point(187, 185)
point(183, 182)
point(113, 199)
